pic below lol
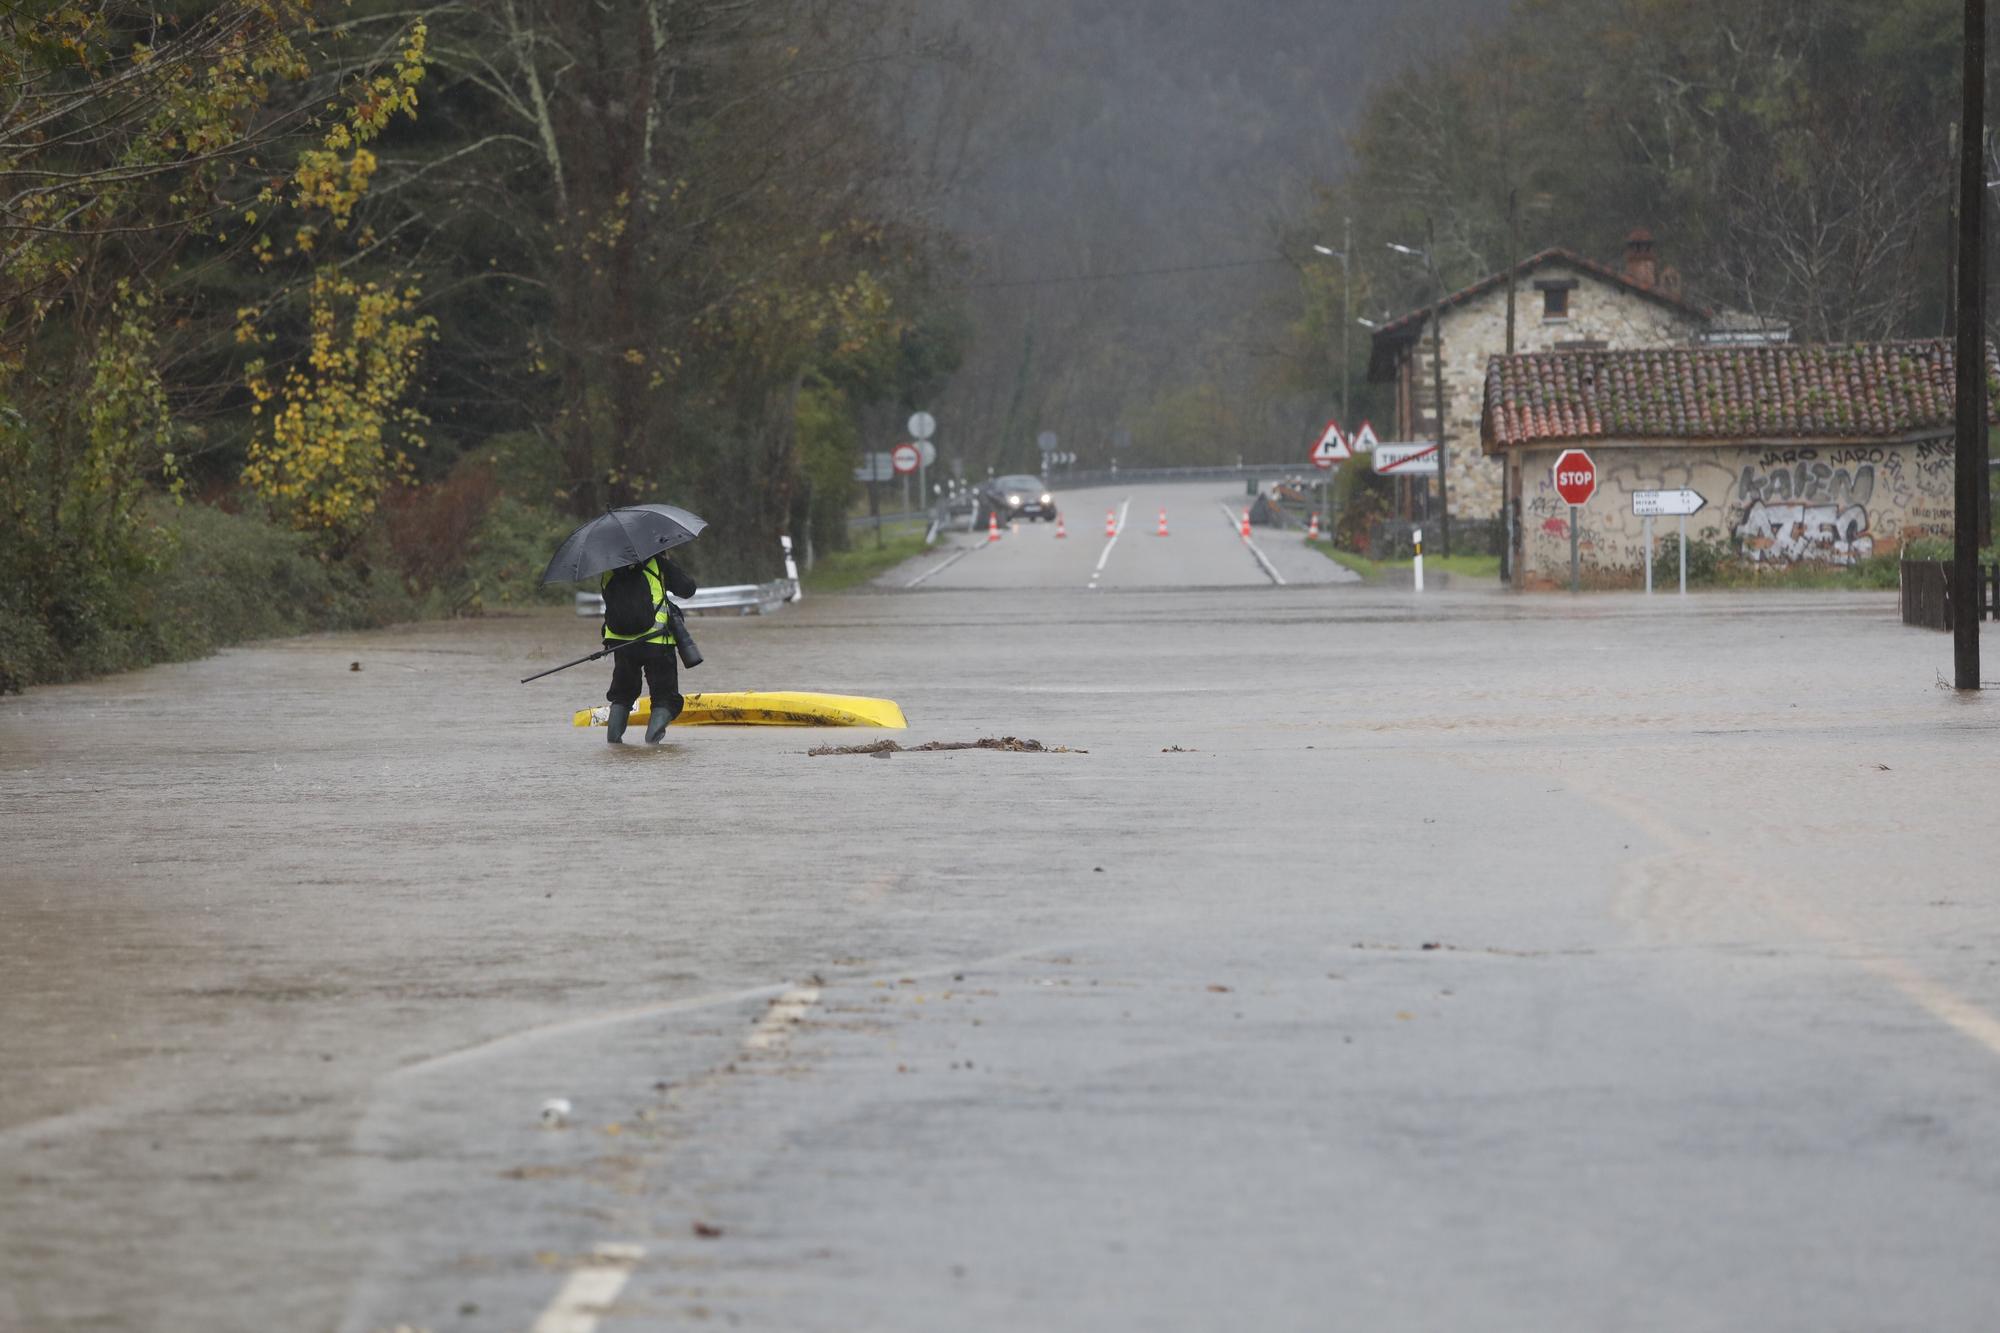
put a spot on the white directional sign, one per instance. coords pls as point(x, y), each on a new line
point(1332, 447)
point(875, 467)
point(922, 426)
point(1364, 439)
point(1667, 504)
point(1406, 460)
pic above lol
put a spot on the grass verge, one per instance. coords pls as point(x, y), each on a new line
point(837, 571)
point(1472, 566)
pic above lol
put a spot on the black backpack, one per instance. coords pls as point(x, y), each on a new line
point(629, 607)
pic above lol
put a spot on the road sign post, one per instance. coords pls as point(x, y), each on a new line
point(1576, 481)
point(1650, 505)
point(1332, 448)
point(906, 459)
point(922, 426)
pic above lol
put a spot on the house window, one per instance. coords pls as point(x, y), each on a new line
point(1555, 298)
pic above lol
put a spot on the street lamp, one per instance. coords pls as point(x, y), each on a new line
point(1437, 378)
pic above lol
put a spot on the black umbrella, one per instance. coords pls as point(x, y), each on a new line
point(620, 537)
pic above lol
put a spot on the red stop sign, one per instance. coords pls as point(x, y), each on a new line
point(1576, 477)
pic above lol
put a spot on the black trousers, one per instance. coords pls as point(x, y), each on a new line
point(662, 671)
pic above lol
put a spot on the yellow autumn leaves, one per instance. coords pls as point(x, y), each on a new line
point(336, 425)
point(333, 428)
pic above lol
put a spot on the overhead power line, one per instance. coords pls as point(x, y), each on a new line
point(1114, 274)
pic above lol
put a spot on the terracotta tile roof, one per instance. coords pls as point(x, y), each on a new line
point(1793, 391)
point(1403, 328)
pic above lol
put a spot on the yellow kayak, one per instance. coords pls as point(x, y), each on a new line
point(765, 708)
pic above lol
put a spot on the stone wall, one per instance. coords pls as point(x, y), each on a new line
point(1599, 312)
point(1830, 503)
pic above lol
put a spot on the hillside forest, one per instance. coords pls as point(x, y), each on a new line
point(317, 313)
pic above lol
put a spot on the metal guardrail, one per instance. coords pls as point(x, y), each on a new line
point(864, 520)
point(745, 599)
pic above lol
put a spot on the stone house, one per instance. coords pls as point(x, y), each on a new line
point(1563, 302)
point(1805, 453)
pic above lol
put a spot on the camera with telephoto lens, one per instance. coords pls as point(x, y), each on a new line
point(683, 641)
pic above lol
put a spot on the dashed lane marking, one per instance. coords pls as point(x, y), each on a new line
point(588, 1294)
point(774, 1029)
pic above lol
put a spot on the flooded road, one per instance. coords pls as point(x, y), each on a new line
point(1477, 960)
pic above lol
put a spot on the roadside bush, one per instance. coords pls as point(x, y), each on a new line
point(1708, 563)
point(28, 652)
point(226, 578)
point(200, 579)
point(504, 561)
point(430, 531)
point(1361, 499)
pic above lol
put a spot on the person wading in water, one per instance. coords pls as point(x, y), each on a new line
point(635, 604)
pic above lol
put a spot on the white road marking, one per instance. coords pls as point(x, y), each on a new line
point(941, 566)
point(1117, 531)
point(1235, 521)
point(774, 1029)
point(590, 1290)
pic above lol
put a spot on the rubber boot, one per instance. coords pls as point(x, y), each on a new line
point(656, 724)
point(614, 725)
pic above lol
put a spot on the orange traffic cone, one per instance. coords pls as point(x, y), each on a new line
point(1246, 525)
point(1061, 530)
point(1163, 523)
point(992, 527)
point(1312, 528)
point(1110, 523)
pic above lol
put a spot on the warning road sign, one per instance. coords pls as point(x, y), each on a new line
point(1332, 447)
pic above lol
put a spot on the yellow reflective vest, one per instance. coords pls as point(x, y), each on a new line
point(657, 587)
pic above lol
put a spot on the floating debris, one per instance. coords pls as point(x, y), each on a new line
point(882, 749)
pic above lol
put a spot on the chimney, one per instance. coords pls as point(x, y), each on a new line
point(1641, 264)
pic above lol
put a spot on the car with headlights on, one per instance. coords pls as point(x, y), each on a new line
point(1019, 497)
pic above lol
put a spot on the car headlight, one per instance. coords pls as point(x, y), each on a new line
point(1047, 499)
point(1013, 499)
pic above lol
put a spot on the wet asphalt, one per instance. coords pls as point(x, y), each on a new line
point(1472, 961)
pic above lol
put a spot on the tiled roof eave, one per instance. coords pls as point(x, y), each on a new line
point(1785, 395)
point(1772, 441)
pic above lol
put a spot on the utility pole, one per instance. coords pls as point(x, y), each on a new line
point(1437, 380)
point(1506, 463)
point(1970, 462)
point(1346, 317)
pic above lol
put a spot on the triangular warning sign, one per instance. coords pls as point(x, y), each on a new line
point(1332, 447)
point(1364, 439)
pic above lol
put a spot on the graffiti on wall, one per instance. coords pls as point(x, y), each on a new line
point(1799, 506)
